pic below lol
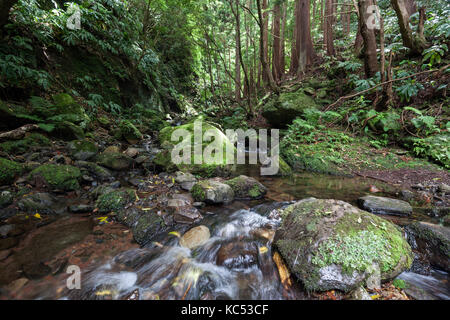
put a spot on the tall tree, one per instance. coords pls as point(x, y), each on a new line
point(328, 36)
point(237, 61)
point(267, 75)
point(415, 42)
point(276, 50)
point(306, 49)
point(367, 28)
point(5, 7)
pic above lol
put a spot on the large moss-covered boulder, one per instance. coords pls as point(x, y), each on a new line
point(216, 167)
point(9, 170)
point(130, 132)
point(82, 149)
point(56, 177)
point(280, 110)
point(212, 191)
point(247, 188)
point(330, 244)
point(115, 200)
point(114, 160)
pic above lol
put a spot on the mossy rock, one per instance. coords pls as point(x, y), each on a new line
point(212, 191)
point(21, 146)
point(115, 161)
point(68, 131)
point(94, 169)
point(9, 170)
point(14, 116)
point(57, 177)
point(247, 188)
point(280, 110)
point(217, 166)
point(115, 200)
point(130, 132)
point(82, 149)
point(330, 244)
point(6, 198)
point(104, 121)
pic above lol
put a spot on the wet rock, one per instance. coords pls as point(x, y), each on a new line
point(115, 161)
point(132, 152)
point(199, 204)
point(195, 237)
point(81, 208)
point(9, 170)
point(212, 191)
point(147, 226)
point(82, 149)
point(381, 205)
point(183, 211)
point(8, 243)
point(6, 198)
point(135, 258)
point(262, 233)
point(187, 180)
point(360, 294)
point(42, 203)
point(112, 149)
point(330, 244)
point(56, 177)
point(237, 255)
point(431, 240)
point(247, 188)
point(5, 230)
point(444, 188)
point(36, 270)
point(407, 195)
point(115, 200)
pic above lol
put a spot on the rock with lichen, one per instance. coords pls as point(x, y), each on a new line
point(330, 244)
point(56, 177)
point(247, 188)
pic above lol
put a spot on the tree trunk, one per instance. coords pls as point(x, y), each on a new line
point(5, 7)
point(329, 28)
point(265, 35)
point(283, 40)
point(267, 75)
point(237, 61)
point(306, 48)
point(276, 50)
point(369, 40)
point(295, 48)
point(415, 43)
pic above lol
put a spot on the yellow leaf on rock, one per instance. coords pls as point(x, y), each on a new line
point(263, 250)
point(38, 216)
point(175, 233)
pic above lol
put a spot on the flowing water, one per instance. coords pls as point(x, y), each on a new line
point(235, 263)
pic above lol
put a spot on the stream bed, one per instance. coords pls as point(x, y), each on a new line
point(235, 263)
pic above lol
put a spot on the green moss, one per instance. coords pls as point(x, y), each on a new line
point(59, 177)
point(115, 161)
point(399, 284)
point(9, 170)
point(198, 193)
point(129, 131)
point(24, 145)
point(115, 200)
point(82, 149)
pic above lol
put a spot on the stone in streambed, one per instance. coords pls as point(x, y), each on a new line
point(42, 203)
point(247, 188)
point(82, 149)
point(382, 205)
point(237, 255)
point(330, 244)
point(115, 200)
point(432, 241)
point(186, 180)
point(56, 177)
point(195, 237)
point(115, 161)
point(212, 191)
point(6, 198)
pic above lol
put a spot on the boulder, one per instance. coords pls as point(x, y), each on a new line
point(280, 110)
point(247, 188)
point(186, 180)
point(115, 161)
point(212, 191)
point(82, 149)
point(382, 205)
point(237, 255)
point(56, 177)
point(432, 241)
point(130, 132)
point(330, 244)
point(6, 198)
point(216, 167)
point(9, 170)
point(115, 200)
point(42, 203)
point(183, 211)
point(94, 169)
point(195, 237)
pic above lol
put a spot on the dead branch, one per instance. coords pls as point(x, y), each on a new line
point(18, 133)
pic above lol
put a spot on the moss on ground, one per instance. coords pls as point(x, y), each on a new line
point(115, 200)
point(9, 170)
point(24, 145)
point(58, 177)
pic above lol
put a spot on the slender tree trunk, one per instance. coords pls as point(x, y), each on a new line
point(237, 61)
point(283, 40)
point(267, 75)
point(411, 41)
point(329, 17)
point(276, 50)
point(295, 48)
point(265, 35)
point(368, 35)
